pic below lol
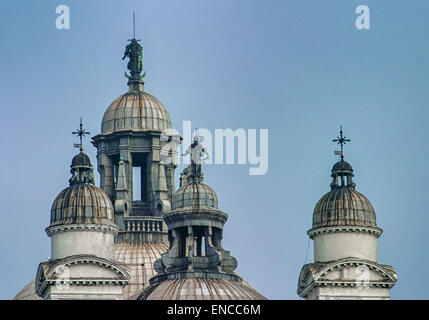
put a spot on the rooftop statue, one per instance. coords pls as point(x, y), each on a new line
point(134, 51)
point(196, 152)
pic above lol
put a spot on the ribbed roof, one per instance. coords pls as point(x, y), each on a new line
point(343, 206)
point(203, 289)
point(195, 195)
point(137, 111)
point(28, 292)
point(81, 203)
point(140, 258)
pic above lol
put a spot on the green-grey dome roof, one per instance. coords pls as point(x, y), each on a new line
point(344, 206)
point(135, 110)
point(82, 203)
point(203, 289)
point(195, 194)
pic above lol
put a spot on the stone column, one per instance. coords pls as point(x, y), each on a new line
point(105, 169)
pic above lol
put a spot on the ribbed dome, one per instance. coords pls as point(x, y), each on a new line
point(137, 111)
point(343, 206)
point(81, 203)
point(195, 195)
point(140, 259)
point(203, 289)
point(81, 159)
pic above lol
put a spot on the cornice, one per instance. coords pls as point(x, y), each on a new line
point(82, 227)
point(335, 229)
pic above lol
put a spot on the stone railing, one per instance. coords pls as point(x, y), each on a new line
point(145, 224)
point(143, 229)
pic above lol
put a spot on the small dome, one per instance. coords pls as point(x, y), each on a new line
point(195, 195)
point(203, 289)
point(137, 111)
point(81, 159)
point(81, 203)
point(343, 206)
point(342, 166)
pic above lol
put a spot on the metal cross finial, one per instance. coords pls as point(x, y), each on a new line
point(342, 141)
point(80, 133)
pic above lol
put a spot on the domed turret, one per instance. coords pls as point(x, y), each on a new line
point(344, 222)
point(345, 237)
point(196, 261)
point(343, 205)
point(82, 202)
point(135, 128)
point(82, 215)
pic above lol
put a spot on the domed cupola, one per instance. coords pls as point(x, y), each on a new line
point(194, 193)
point(344, 212)
point(343, 205)
point(82, 202)
point(345, 237)
point(135, 128)
point(82, 215)
point(135, 110)
point(196, 261)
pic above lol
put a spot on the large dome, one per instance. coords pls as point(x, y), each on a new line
point(203, 289)
point(140, 259)
point(343, 206)
point(135, 110)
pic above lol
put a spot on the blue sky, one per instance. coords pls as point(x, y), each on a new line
point(296, 68)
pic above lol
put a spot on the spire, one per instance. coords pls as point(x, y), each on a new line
point(342, 171)
point(134, 51)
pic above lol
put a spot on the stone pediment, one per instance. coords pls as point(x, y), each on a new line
point(85, 270)
point(347, 272)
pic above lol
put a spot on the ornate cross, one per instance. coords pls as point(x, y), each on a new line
point(80, 133)
point(342, 141)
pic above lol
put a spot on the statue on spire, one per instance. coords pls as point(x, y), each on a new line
point(134, 51)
